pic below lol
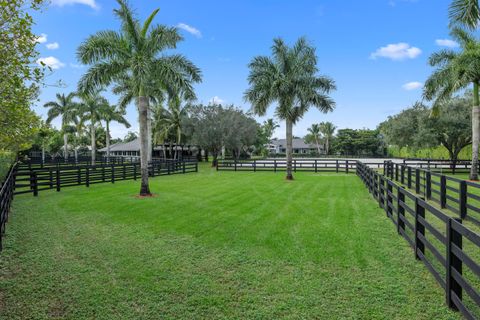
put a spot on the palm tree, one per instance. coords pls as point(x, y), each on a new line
point(327, 129)
point(456, 71)
point(134, 53)
point(93, 106)
point(315, 133)
point(108, 114)
point(269, 126)
point(79, 129)
point(64, 107)
point(289, 78)
point(465, 13)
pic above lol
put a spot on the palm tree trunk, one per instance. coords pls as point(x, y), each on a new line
point(65, 147)
point(93, 142)
point(142, 104)
point(475, 133)
point(318, 145)
point(289, 150)
point(107, 139)
point(43, 153)
point(149, 132)
point(327, 145)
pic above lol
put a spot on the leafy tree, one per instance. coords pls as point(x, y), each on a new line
point(20, 74)
point(108, 114)
point(358, 142)
point(130, 136)
point(289, 78)
point(42, 137)
point(64, 107)
point(79, 128)
point(240, 131)
point(456, 71)
point(134, 53)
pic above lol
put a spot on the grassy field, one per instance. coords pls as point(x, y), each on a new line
point(212, 245)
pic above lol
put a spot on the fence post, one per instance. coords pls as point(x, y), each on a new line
point(57, 176)
point(34, 183)
point(235, 163)
point(346, 166)
point(381, 196)
point(417, 180)
point(50, 178)
point(428, 185)
point(396, 171)
point(409, 178)
point(389, 199)
point(294, 165)
point(462, 201)
point(183, 166)
point(134, 171)
point(443, 191)
point(316, 166)
point(400, 210)
point(402, 173)
point(274, 165)
point(254, 165)
point(79, 176)
point(336, 166)
point(113, 173)
point(419, 228)
point(453, 262)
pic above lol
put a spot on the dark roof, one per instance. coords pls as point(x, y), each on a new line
point(133, 145)
point(297, 143)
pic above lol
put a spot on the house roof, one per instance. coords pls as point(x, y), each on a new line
point(296, 142)
point(133, 145)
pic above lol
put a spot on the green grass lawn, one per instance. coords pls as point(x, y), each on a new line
point(216, 245)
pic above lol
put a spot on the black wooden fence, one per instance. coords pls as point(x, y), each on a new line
point(32, 179)
point(311, 165)
point(449, 250)
point(461, 197)
point(6, 197)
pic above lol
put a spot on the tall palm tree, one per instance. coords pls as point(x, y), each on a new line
point(456, 71)
point(135, 52)
point(64, 107)
point(108, 114)
point(465, 13)
point(315, 133)
point(93, 106)
point(79, 128)
point(327, 129)
point(289, 78)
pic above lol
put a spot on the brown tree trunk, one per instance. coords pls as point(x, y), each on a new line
point(142, 104)
point(475, 141)
point(289, 150)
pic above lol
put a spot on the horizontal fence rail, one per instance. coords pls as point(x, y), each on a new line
point(30, 179)
point(274, 165)
point(449, 250)
point(461, 197)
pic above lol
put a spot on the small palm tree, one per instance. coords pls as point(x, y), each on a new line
point(315, 133)
point(108, 114)
point(289, 78)
point(79, 128)
point(64, 107)
point(456, 71)
point(327, 129)
point(93, 106)
point(169, 122)
point(135, 53)
point(269, 126)
point(465, 13)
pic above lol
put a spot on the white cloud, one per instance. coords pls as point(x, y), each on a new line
point(216, 100)
point(52, 46)
point(446, 43)
point(190, 29)
point(42, 38)
point(51, 62)
point(77, 66)
point(91, 3)
point(397, 51)
point(412, 85)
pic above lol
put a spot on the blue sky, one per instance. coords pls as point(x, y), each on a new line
point(375, 50)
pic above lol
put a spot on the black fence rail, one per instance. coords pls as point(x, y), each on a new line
point(6, 198)
point(461, 197)
point(72, 161)
point(449, 250)
point(458, 166)
point(307, 165)
point(35, 179)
